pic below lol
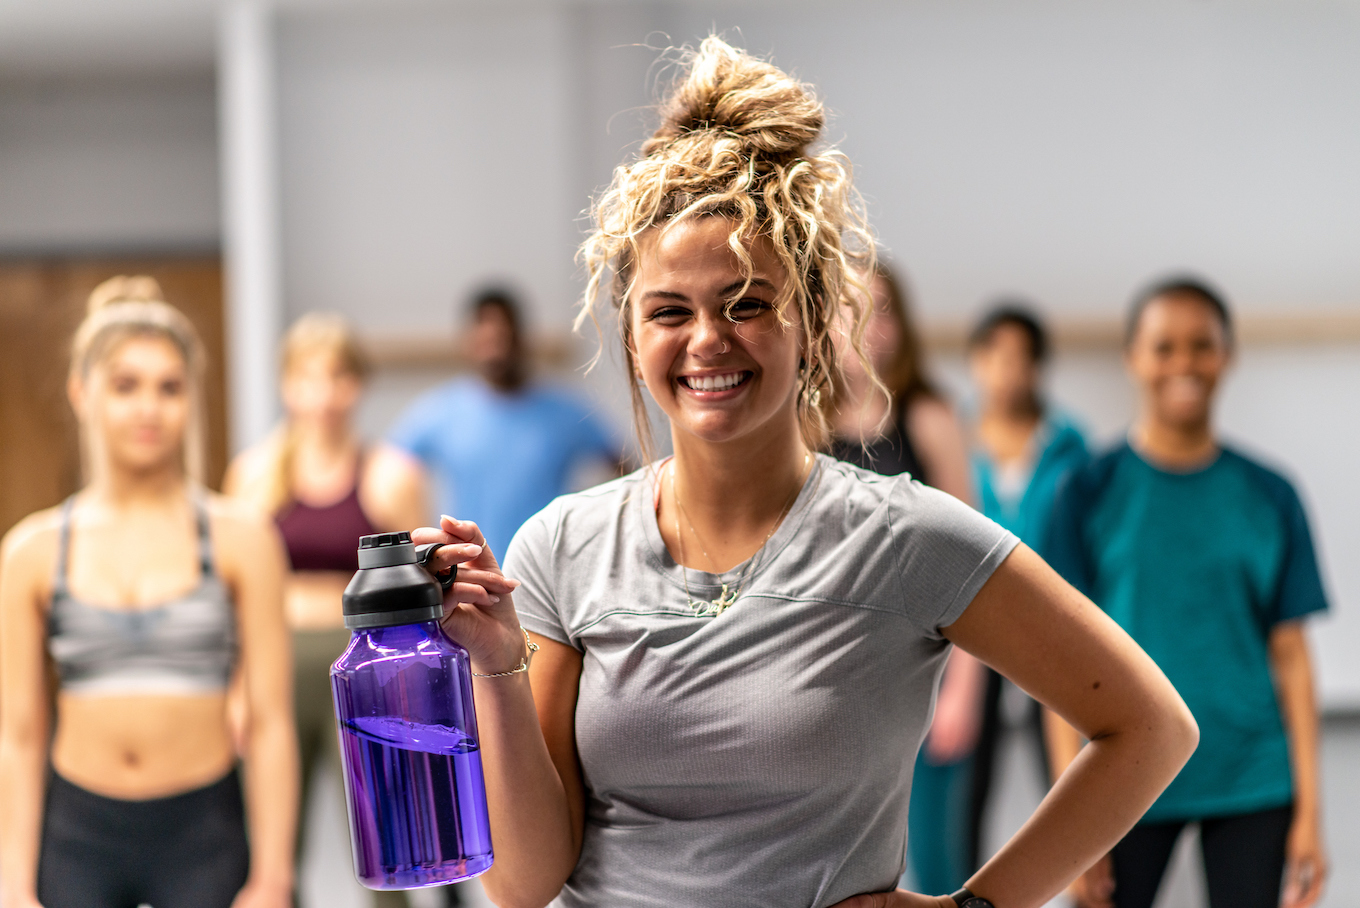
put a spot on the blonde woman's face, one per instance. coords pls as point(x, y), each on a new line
point(317, 389)
point(137, 403)
point(716, 359)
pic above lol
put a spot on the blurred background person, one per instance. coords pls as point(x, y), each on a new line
point(914, 430)
point(500, 445)
point(1021, 447)
point(324, 488)
point(1205, 557)
point(147, 593)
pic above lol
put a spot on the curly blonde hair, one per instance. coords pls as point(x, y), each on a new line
point(734, 142)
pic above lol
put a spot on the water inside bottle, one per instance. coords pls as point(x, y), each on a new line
point(416, 808)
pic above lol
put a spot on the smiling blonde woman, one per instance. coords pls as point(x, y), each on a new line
point(738, 646)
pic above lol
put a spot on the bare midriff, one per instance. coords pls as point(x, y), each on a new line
point(142, 746)
point(312, 599)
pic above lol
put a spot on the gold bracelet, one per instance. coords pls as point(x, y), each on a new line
point(530, 648)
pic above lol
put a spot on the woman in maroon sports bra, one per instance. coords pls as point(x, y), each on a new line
point(325, 490)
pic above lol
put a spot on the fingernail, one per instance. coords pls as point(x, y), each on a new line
point(444, 517)
point(472, 548)
point(495, 598)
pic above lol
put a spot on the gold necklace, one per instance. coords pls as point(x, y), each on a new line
point(727, 597)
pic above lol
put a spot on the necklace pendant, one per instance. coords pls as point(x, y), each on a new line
point(726, 599)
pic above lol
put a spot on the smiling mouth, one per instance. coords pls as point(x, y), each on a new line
point(724, 382)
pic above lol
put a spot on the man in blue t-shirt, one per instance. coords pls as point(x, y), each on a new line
point(500, 446)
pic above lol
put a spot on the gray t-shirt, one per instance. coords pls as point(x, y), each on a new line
point(762, 756)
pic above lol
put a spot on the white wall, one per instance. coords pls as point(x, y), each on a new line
point(1054, 148)
point(421, 157)
point(1071, 149)
point(101, 163)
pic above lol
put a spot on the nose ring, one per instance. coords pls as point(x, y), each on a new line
point(727, 348)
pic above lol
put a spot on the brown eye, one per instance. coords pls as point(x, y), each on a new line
point(745, 309)
point(668, 315)
point(172, 387)
point(123, 384)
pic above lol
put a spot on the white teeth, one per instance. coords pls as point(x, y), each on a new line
point(714, 382)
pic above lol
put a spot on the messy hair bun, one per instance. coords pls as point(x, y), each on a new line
point(735, 141)
point(729, 92)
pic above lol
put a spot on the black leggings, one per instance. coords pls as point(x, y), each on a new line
point(1243, 859)
point(184, 851)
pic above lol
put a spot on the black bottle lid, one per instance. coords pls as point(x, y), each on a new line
point(393, 584)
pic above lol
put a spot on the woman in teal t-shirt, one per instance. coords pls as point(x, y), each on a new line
point(1205, 558)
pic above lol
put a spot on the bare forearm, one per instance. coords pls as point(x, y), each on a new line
point(271, 798)
point(531, 823)
point(1123, 774)
point(1298, 707)
point(21, 797)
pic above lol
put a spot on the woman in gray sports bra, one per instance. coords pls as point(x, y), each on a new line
point(148, 595)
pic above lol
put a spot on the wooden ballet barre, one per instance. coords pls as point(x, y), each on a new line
point(447, 353)
point(1253, 329)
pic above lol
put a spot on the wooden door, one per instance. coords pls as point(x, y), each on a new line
point(41, 303)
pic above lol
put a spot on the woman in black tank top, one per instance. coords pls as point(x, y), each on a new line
point(149, 595)
point(914, 431)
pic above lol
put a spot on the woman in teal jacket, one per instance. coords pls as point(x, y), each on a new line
point(1021, 448)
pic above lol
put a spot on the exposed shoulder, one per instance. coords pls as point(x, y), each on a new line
point(927, 413)
point(248, 471)
point(239, 528)
point(384, 460)
point(29, 549)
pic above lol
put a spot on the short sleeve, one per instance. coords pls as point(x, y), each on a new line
point(947, 551)
point(1300, 591)
point(529, 559)
point(1063, 545)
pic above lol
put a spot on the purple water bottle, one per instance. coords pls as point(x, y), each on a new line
point(408, 732)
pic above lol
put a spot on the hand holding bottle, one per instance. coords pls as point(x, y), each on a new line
point(478, 611)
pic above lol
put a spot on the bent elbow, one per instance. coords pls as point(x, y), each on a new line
point(1182, 733)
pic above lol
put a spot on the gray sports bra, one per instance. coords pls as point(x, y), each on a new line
point(184, 646)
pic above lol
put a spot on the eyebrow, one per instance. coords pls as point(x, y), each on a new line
point(724, 292)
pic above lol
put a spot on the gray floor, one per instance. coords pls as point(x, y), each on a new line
point(327, 880)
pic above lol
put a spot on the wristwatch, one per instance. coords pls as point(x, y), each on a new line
point(965, 899)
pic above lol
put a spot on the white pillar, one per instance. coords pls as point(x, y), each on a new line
point(248, 130)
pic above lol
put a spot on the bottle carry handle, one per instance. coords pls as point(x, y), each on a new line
point(423, 555)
